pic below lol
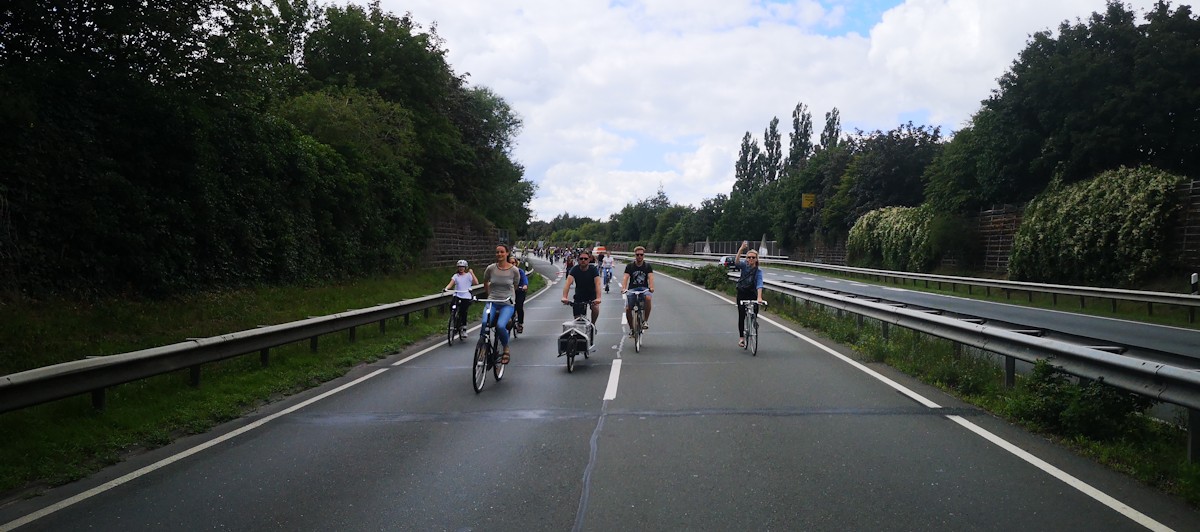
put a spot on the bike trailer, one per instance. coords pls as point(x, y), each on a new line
point(574, 338)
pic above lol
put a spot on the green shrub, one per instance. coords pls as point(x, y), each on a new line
point(1050, 401)
point(711, 277)
point(895, 238)
point(1109, 230)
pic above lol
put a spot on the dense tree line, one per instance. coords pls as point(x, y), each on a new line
point(1099, 94)
point(178, 145)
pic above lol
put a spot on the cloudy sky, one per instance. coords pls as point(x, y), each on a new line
point(620, 97)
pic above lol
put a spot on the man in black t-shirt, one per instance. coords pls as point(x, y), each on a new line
point(586, 278)
point(638, 275)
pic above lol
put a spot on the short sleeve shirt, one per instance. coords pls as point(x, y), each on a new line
point(639, 276)
point(585, 283)
point(503, 282)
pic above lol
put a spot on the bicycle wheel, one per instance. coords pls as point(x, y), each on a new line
point(752, 337)
point(570, 363)
point(451, 328)
point(497, 367)
point(748, 327)
point(479, 365)
point(637, 330)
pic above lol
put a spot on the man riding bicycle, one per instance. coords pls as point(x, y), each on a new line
point(638, 275)
point(586, 279)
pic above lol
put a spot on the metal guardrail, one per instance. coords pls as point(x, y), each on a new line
point(94, 375)
point(1152, 379)
point(1191, 302)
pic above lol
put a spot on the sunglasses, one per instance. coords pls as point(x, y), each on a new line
point(584, 259)
point(640, 254)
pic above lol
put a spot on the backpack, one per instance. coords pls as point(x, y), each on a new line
point(747, 280)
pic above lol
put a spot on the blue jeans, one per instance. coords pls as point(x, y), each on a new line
point(504, 313)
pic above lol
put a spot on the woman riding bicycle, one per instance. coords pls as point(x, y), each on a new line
point(461, 282)
point(749, 286)
point(500, 281)
point(522, 289)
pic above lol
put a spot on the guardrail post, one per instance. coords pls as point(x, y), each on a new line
point(426, 313)
point(406, 320)
point(312, 344)
point(1149, 307)
point(264, 357)
point(887, 332)
point(987, 291)
point(1030, 295)
point(194, 376)
point(99, 400)
point(353, 334)
point(1010, 372)
point(1082, 302)
point(382, 326)
point(1193, 435)
point(860, 320)
point(1054, 300)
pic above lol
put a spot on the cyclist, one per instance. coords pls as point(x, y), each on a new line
point(522, 289)
point(638, 274)
point(749, 286)
point(606, 266)
point(461, 282)
point(500, 281)
point(586, 279)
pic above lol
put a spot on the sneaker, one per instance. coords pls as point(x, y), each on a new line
point(520, 329)
point(645, 325)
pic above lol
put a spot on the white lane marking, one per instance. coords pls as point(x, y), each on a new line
point(1085, 488)
point(1061, 475)
point(610, 392)
point(172, 459)
point(831, 281)
point(790, 276)
point(808, 278)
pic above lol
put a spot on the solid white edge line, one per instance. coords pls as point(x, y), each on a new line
point(29, 518)
point(610, 392)
point(1083, 487)
point(175, 458)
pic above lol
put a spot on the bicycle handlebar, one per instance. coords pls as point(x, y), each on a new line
point(749, 302)
point(507, 301)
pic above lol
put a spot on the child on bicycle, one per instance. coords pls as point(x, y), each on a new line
point(749, 286)
point(461, 282)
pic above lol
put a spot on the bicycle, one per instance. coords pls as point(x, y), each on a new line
point(751, 325)
point(578, 336)
point(607, 277)
point(639, 316)
point(487, 349)
point(454, 329)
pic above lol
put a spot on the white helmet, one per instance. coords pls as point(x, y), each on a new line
point(462, 264)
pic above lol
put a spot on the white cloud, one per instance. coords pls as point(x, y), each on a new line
point(599, 84)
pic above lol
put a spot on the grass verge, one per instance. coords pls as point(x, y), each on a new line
point(59, 442)
point(1097, 421)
